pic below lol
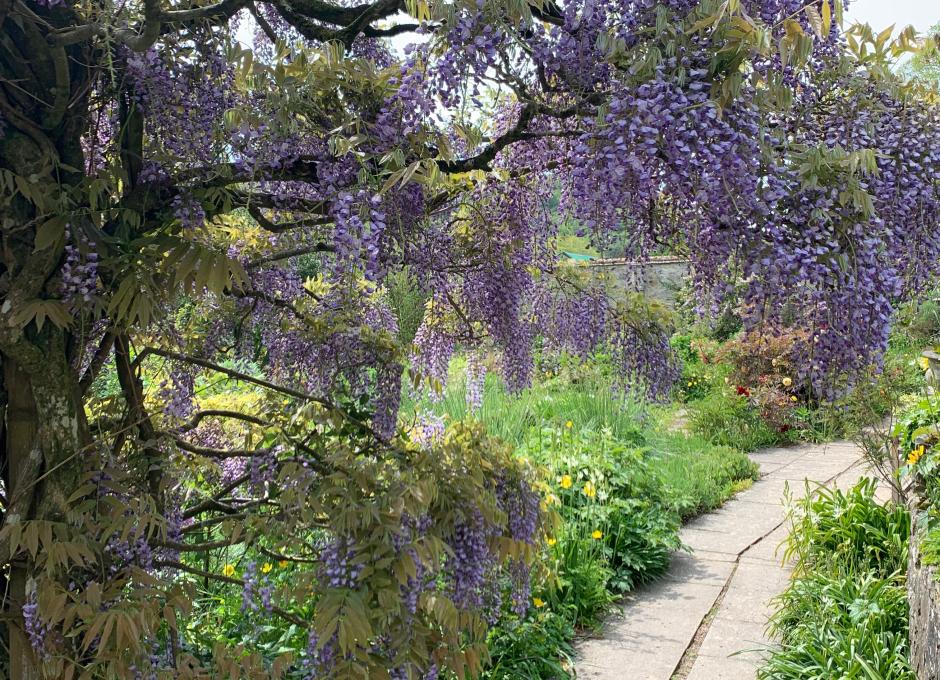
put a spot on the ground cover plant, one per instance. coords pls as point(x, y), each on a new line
point(202, 372)
point(845, 612)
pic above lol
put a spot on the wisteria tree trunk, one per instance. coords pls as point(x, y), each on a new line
point(45, 436)
point(45, 432)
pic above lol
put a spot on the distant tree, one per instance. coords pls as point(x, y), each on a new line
point(924, 65)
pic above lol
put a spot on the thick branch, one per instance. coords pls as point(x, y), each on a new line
point(221, 454)
point(294, 252)
point(221, 413)
point(133, 391)
point(519, 132)
point(97, 361)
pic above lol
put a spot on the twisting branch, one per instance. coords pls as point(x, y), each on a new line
point(232, 373)
point(133, 391)
point(200, 547)
point(220, 454)
point(221, 413)
point(136, 41)
point(97, 361)
point(323, 22)
point(520, 132)
point(362, 426)
point(254, 209)
point(294, 252)
point(156, 23)
point(263, 23)
point(214, 503)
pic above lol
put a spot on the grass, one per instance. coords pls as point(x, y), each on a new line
point(699, 473)
point(590, 403)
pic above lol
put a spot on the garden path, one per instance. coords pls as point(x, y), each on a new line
point(705, 619)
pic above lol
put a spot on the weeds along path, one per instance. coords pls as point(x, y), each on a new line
point(705, 618)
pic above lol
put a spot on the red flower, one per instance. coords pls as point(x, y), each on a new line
point(742, 390)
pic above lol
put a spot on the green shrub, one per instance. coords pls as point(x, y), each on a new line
point(534, 648)
point(841, 625)
point(845, 614)
point(603, 485)
point(850, 529)
point(579, 589)
point(728, 419)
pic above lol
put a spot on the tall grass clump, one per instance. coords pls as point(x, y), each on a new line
point(592, 401)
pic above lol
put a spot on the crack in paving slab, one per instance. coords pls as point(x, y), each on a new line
point(687, 625)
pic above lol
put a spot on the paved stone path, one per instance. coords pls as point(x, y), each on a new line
point(705, 619)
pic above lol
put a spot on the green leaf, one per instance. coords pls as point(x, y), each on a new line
point(50, 233)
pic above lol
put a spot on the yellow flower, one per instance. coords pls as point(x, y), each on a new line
point(228, 570)
point(283, 563)
point(538, 602)
point(597, 535)
point(551, 541)
point(266, 567)
point(787, 382)
point(690, 383)
point(566, 482)
point(569, 424)
point(793, 398)
point(589, 489)
point(915, 455)
point(924, 363)
point(548, 374)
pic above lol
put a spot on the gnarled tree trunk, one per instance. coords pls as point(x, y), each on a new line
point(46, 444)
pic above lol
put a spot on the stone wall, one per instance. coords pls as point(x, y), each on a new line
point(923, 594)
point(660, 278)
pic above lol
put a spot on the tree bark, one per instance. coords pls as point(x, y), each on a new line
point(22, 425)
point(46, 441)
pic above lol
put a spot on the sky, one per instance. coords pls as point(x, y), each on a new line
point(921, 14)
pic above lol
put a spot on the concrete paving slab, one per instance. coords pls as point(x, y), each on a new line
point(698, 568)
point(715, 603)
point(735, 638)
point(770, 548)
point(651, 635)
point(713, 668)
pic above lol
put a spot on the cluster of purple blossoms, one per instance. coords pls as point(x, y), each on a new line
point(189, 212)
point(263, 467)
point(79, 274)
point(434, 347)
point(471, 559)
point(475, 379)
point(133, 551)
point(429, 430)
point(36, 629)
point(338, 564)
point(177, 393)
point(319, 659)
